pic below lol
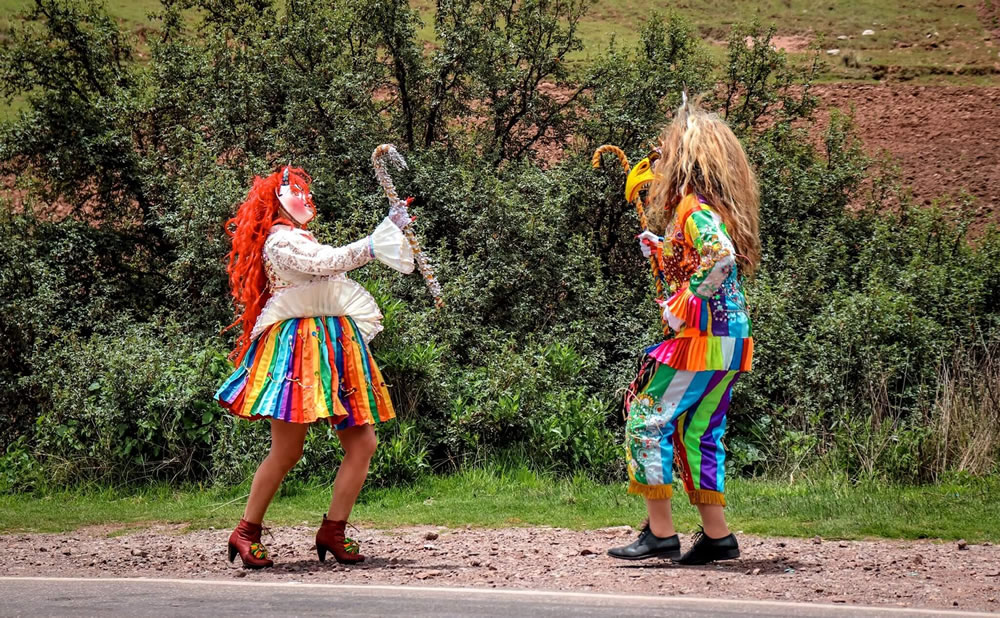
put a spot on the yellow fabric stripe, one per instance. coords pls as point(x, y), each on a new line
point(652, 492)
point(260, 377)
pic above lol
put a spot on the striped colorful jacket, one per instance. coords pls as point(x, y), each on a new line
point(707, 307)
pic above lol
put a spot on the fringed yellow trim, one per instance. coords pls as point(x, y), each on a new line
point(705, 496)
point(651, 492)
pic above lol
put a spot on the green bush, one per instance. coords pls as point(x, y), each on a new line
point(19, 470)
point(400, 459)
point(136, 401)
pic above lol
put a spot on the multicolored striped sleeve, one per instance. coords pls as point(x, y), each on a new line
point(707, 234)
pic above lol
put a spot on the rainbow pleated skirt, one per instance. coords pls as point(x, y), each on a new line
point(305, 369)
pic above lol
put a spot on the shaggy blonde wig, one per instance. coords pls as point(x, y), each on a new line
point(700, 154)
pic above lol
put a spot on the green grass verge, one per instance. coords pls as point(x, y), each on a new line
point(519, 497)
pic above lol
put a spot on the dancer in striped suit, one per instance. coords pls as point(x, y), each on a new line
point(704, 199)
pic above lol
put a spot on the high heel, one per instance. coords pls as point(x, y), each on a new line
point(245, 541)
point(330, 538)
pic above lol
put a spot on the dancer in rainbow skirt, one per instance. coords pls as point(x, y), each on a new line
point(704, 198)
point(302, 355)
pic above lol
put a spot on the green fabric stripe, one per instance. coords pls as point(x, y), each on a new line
point(324, 366)
point(705, 224)
point(699, 424)
point(713, 351)
point(659, 382)
point(270, 369)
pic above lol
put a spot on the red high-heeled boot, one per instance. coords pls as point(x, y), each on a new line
point(245, 541)
point(331, 538)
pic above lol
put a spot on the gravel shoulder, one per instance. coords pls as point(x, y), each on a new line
point(916, 574)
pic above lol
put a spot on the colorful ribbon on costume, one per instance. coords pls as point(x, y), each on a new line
point(388, 151)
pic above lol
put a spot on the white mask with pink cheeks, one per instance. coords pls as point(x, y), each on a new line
point(296, 199)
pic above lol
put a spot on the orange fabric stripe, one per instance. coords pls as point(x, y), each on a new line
point(311, 407)
point(747, 361)
point(314, 374)
point(696, 356)
point(385, 408)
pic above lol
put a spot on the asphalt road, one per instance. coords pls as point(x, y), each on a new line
point(51, 596)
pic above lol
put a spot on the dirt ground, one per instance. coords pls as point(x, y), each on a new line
point(895, 573)
point(946, 139)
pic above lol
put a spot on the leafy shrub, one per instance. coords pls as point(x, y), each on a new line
point(19, 471)
point(137, 401)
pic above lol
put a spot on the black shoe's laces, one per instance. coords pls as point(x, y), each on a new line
point(698, 536)
point(644, 530)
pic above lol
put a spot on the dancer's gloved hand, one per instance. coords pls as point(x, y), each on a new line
point(400, 214)
point(648, 241)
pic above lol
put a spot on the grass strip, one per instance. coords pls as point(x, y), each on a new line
point(501, 497)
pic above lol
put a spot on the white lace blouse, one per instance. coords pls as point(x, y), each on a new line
point(309, 279)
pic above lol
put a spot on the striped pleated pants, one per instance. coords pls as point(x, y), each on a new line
point(682, 414)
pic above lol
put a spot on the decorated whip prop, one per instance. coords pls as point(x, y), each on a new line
point(637, 178)
point(388, 153)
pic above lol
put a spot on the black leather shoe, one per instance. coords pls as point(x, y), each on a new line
point(648, 545)
point(707, 549)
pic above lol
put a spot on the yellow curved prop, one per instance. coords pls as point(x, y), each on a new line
point(632, 186)
point(615, 150)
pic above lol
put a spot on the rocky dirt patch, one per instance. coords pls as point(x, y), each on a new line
point(792, 43)
point(946, 139)
point(894, 573)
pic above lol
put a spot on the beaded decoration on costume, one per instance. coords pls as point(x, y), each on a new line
point(680, 263)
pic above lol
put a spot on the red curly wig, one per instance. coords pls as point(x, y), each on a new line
point(245, 263)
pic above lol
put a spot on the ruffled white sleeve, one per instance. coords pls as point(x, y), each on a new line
point(391, 247)
point(290, 250)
